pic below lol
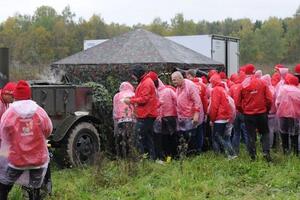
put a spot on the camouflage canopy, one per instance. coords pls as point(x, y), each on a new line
point(138, 46)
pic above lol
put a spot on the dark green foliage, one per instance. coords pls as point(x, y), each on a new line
point(103, 111)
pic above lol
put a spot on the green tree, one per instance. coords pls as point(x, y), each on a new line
point(270, 42)
point(201, 28)
point(34, 46)
point(159, 27)
point(96, 28)
point(229, 27)
point(45, 16)
point(68, 15)
point(215, 28)
point(61, 40)
point(115, 29)
point(293, 39)
point(10, 32)
point(248, 45)
point(180, 26)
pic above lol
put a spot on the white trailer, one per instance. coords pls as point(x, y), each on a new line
point(90, 43)
point(220, 48)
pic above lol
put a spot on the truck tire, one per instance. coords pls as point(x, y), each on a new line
point(83, 144)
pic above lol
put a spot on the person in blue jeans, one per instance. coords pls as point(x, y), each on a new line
point(219, 130)
point(220, 113)
point(239, 132)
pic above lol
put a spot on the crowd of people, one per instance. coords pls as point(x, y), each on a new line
point(24, 128)
point(216, 112)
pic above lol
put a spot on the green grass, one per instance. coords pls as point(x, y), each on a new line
point(207, 176)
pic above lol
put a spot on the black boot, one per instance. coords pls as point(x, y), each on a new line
point(35, 194)
point(4, 190)
point(268, 158)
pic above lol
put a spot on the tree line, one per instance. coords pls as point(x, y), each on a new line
point(47, 35)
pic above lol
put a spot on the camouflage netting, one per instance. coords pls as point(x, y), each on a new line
point(103, 111)
point(111, 75)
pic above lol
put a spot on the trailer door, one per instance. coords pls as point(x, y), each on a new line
point(218, 51)
point(233, 57)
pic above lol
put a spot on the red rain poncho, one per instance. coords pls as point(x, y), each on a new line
point(145, 99)
point(220, 107)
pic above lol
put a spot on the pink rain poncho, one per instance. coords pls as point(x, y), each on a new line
point(282, 72)
point(24, 129)
point(121, 111)
point(167, 104)
point(3, 106)
point(272, 119)
point(167, 101)
point(188, 102)
point(288, 99)
point(258, 74)
point(267, 80)
point(288, 104)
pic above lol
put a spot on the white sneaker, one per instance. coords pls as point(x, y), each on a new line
point(160, 162)
point(232, 157)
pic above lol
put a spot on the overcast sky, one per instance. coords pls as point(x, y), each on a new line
point(144, 11)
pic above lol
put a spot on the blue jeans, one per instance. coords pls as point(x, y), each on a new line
point(144, 136)
point(200, 137)
point(260, 122)
point(238, 131)
point(220, 139)
point(187, 142)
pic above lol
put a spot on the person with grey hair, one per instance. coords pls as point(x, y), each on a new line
point(189, 112)
point(191, 75)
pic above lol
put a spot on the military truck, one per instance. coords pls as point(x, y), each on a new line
point(75, 137)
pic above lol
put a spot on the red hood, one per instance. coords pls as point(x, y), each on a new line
point(216, 80)
point(234, 77)
point(291, 80)
point(211, 73)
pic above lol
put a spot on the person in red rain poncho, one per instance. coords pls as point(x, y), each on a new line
point(123, 119)
point(255, 101)
point(277, 76)
point(220, 114)
point(297, 71)
point(6, 96)
point(157, 125)
point(24, 129)
point(145, 102)
point(288, 112)
point(209, 87)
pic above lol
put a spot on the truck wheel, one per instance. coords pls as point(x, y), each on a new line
point(83, 144)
